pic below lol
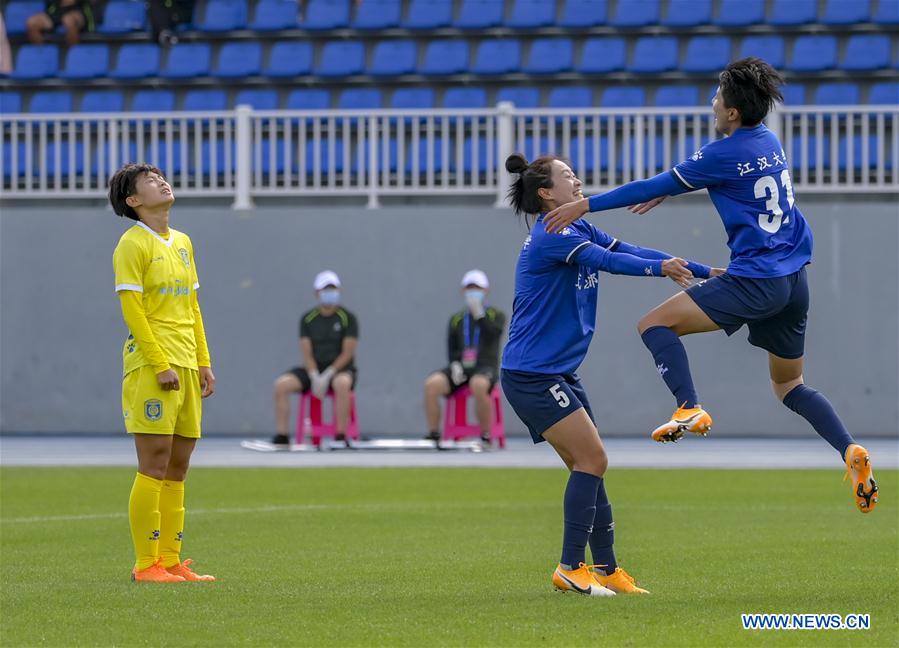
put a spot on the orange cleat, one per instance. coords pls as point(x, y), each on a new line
point(155, 573)
point(620, 582)
point(858, 467)
point(694, 420)
point(184, 571)
point(579, 580)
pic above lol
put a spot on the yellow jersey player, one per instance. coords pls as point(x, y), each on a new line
point(167, 369)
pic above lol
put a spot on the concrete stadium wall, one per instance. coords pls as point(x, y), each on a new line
point(62, 331)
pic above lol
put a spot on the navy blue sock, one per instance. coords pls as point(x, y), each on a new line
point(602, 538)
point(817, 410)
point(580, 509)
point(672, 364)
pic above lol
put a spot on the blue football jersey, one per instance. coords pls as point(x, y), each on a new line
point(554, 311)
point(748, 180)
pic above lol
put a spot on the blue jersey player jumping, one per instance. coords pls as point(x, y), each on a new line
point(553, 318)
point(765, 287)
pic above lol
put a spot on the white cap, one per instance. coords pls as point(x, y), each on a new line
point(326, 278)
point(476, 277)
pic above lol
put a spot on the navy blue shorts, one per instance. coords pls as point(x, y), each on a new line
point(776, 310)
point(542, 400)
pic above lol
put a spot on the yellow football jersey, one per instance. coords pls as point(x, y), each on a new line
point(163, 270)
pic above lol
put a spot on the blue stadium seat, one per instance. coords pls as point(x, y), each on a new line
point(866, 52)
point(529, 14)
point(771, 48)
point(224, 15)
point(479, 14)
point(627, 97)
point(843, 12)
point(654, 54)
point(427, 14)
point(7, 160)
point(258, 99)
point(290, 59)
point(153, 101)
point(341, 58)
point(570, 97)
point(239, 59)
point(794, 94)
point(521, 97)
point(66, 148)
point(884, 94)
point(497, 56)
point(706, 54)
point(325, 15)
point(187, 60)
point(602, 54)
point(121, 17)
point(550, 56)
point(793, 12)
point(393, 58)
point(675, 96)
point(100, 101)
point(17, 14)
point(857, 162)
point(837, 94)
point(465, 98)
point(412, 98)
point(211, 100)
point(636, 13)
point(272, 15)
point(445, 57)
point(813, 54)
point(583, 13)
point(51, 101)
point(86, 62)
point(10, 102)
point(688, 13)
point(378, 14)
point(136, 61)
point(36, 62)
point(309, 99)
point(359, 98)
point(740, 13)
point(887, 12)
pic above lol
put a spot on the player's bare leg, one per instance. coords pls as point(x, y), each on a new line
point(436, 387)
point(480, 390)
point(285, 386)
point(342, 384)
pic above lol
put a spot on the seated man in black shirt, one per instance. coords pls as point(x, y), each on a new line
point(473, 341)
point(328, 337)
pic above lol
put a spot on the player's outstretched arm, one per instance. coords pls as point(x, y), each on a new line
point(597, 257)
point(699, 270)
point(633, 193)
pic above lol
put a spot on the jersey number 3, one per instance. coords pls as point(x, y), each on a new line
point(766, 187)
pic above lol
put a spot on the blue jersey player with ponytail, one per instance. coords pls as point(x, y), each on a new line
point(553, 318)
point(765, 286)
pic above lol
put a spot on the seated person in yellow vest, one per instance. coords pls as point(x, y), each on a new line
point(328, 337)
point(473, 341)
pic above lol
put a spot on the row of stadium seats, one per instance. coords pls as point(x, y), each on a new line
point(287, 59)
point(52, 101)
point(322, 15)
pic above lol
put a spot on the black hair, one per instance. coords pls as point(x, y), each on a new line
point(124, 184)
point(751, 86)
point(531, 177)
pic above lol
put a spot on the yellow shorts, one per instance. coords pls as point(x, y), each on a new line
point(150, 410)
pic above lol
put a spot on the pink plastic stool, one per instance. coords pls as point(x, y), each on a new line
point(319, 427)
point(455, 418)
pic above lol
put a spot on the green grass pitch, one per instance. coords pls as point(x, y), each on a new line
point(445, 557)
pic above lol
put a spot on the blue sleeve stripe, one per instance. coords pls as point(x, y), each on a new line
point(574, 251)
point(680, 178)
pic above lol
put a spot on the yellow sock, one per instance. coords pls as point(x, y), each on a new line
point(143, 515)
point(171, 525)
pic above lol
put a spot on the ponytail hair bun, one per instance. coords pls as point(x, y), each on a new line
point(516, 163)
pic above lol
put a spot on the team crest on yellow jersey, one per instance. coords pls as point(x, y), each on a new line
point(184, 257)
point(153, 409)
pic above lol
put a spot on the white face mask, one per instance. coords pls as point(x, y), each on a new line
point(474, 293)
point(329, 297)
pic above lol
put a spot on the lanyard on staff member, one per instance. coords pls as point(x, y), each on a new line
point(470, 351)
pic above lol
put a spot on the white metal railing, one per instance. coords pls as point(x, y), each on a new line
point(246, 154)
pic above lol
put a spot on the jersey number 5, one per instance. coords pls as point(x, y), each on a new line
point(560, 396)
point(766, 187)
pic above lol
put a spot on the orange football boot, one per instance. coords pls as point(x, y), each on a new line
point(858, 467)
point(184, 571)
point(579, 580)
point(619, 581)
point(155, 573)
point(694, 420)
